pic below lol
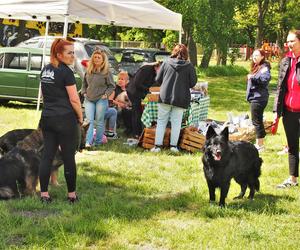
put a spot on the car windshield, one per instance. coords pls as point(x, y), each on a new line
point(91, 47)
point(161, 57)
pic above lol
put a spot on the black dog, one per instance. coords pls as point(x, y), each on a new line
point(223, 160)
point(19, 168)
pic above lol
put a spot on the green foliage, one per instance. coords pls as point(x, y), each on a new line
point(233, 55)
point(170, 39)
point(223, 70)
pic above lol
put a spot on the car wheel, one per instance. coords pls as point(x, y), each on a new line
point(3, 101)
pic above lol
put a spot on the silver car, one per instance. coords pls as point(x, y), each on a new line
point(84, 48)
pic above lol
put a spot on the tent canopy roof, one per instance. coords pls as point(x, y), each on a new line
point(131, 13)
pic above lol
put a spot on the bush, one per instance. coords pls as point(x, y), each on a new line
point(224, 70)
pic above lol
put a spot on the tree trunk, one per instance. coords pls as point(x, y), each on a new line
point(207, 53)
point(262, 10)
point(224, 57)
point(192, 50)
point(282, 26)
point(218, 57)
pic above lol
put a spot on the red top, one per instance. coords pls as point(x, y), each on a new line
point(292, 97)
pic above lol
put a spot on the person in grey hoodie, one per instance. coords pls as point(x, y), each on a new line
point(97, 86)
point(176, 76)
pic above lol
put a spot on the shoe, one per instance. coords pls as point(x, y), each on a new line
point(174, 150)
point(259, 148)
point(156, 149)
point(72, 200)
point(287, 184)
point(87, 145)
point(46, 199)
point(285, 150)
point(112, 135)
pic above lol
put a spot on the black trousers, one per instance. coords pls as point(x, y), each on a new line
point(137, 111)
point(291, 122)
point(59, 131)
point(257, 112)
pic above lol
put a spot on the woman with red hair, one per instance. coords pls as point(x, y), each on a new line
point(257, 93)
point(60, 117)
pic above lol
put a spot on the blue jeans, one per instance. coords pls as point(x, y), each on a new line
point(175, 114)
point(95, 111)
point(111, 117)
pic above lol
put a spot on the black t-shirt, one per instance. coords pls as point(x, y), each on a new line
point(55, 96)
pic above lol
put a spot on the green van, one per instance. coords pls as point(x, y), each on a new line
point(20, 73)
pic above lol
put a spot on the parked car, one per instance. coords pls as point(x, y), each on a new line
point(83, 47)
point(20, 70)
point(131, 59)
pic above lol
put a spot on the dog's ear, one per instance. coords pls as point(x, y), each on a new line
point(225, 133)
point(210, 132)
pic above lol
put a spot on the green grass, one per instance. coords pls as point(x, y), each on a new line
point(133, 199)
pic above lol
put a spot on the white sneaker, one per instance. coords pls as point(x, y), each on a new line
point(155, 150)
point(259, 148)
point(174, 150)
point(287, 184)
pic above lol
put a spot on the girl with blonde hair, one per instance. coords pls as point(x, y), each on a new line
point(97, 86)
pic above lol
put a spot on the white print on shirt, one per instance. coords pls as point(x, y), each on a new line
point(48, 76)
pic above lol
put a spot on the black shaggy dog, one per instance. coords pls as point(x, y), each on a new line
point(224, 160)
point(19, 168)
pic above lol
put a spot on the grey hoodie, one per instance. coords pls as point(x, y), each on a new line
point(176, 78)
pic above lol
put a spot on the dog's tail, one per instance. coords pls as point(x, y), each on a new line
point(257, 173)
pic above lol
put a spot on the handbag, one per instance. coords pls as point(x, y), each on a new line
point(275, 126)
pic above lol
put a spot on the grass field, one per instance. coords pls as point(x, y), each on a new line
point(133, 199)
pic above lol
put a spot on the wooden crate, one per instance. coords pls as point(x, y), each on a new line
point(191, 140)
point(147, 139)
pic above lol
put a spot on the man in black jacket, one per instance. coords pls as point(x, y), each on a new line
point(137, 89)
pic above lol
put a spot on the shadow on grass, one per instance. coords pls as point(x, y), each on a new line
point(262, 204)
point(108, 199)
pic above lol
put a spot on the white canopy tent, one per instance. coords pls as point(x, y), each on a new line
point(130, 13)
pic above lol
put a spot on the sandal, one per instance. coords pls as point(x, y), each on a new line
point(46, 199)
point(72, 200)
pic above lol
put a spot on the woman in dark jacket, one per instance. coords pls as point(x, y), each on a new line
point(176, 76)
point(258, 94)
point(137, 89)
point(287, 104)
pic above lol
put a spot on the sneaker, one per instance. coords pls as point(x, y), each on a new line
point(287, 184)
point(155, 149)
point(259, 148)
point(285, 150)
point(112, 135)
point(87, 145)
point(174, 150)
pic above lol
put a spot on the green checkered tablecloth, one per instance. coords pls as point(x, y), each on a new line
point(196, 112)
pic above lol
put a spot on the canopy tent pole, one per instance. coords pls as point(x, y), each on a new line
point(179, 37)
point(65, 27)
point(43, 63)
